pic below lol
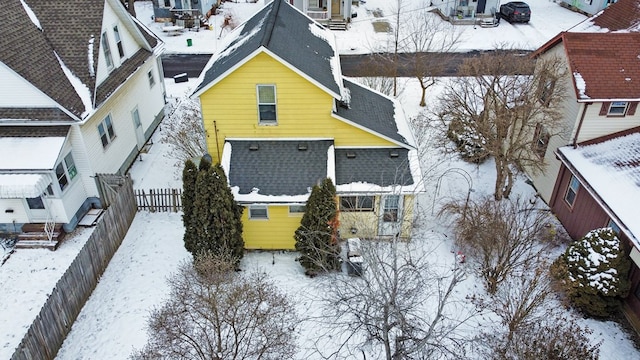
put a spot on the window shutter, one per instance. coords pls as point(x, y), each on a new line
point(632, 108)
point(605, 108)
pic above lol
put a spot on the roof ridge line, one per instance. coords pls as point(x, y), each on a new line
point(266, 38)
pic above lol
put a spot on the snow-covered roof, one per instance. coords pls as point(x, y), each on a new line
point(35, 153)
point(54, 45)
point(612, 170)
point(285, 33)
point(21, 186)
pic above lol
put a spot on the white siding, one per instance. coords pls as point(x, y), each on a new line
point(19, 214)
point(135, 92)
point(595, 126)
point(18, 92)
point(130, 45)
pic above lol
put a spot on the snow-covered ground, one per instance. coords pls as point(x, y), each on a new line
point(547, 19)
point(112, 323)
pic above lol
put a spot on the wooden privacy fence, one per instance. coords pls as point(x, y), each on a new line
point(47, 332)
point(159, 200)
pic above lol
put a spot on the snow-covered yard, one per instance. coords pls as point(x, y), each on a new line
point(112, 323)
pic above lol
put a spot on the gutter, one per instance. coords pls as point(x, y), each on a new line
point(584, 112)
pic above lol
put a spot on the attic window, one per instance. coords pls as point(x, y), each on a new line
point(254, 147)
point(106, 50)
point(351, 155)
point(394, 153)
point(302, 147)
point(618, 108)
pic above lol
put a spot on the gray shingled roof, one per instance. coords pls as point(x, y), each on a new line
point(371, 110)
point(284, 31)
point(34, 131)
point(68, 26)
point(277, 167)
point(35, 114)
point(373, 166)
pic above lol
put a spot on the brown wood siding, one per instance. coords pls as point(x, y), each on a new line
point(586, 213)
point(632, 301)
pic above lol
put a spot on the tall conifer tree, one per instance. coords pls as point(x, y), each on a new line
point(189, 175)
point(316, 238)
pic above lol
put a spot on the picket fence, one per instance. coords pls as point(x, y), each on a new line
point(159, 200)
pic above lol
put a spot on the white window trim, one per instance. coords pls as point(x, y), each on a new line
point(296, 213)
point(356, 207)
point(266, 210)
point(110, 139)
point(152, 78)
point(619, 106)
point(569, 188)
point(65, 169)
point(275, 105)
point(106, 50)
point(118, 39)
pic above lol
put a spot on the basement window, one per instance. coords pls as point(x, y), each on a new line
point(258, 212)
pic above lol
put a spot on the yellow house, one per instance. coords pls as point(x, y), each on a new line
point(280, 117)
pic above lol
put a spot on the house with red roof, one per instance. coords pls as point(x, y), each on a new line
point(592, 178)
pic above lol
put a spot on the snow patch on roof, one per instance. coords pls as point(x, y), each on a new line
point(254, 197)
point(402, 123)
point(92, 71)
point(581, 85)
point(20, 186)
point(331, 164)
point(31, 14)
point(81, 89)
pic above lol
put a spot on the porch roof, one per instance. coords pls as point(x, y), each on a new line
point(20, 186)
point(30, 153)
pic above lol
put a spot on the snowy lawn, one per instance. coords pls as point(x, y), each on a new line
point(112, 324)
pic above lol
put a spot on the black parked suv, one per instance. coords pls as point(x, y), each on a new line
point(515, 11)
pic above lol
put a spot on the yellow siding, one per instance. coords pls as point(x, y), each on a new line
point(366, 222)
point(274, 233)
point(303, 109)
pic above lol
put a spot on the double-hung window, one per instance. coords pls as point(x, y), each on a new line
point(105, 129)
point(356, 203)
point(267, 114)
point(152, 79)
point(618, 108)
point(572, 190)
point(116, 34)
point(541, 138)
point(66, 171)
point(106, 50)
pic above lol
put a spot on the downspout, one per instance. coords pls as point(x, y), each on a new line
point(584, 112)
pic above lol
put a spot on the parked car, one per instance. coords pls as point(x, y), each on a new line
point(515, 11)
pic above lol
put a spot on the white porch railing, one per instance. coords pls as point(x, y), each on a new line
point(318, 14)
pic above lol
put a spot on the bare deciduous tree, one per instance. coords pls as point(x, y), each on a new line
point(554, 337)
point(511, 113)
point(216, 313)
point(502, 237)
point(426, 36)
point(400, 308)
point(184, 131)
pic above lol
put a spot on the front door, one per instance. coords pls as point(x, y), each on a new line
point(390, 215)
point(481, 6)
point(135, 115)
point(335, 9)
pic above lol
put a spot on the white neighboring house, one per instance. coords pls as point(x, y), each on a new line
point(81, 93)
point(465, 9)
